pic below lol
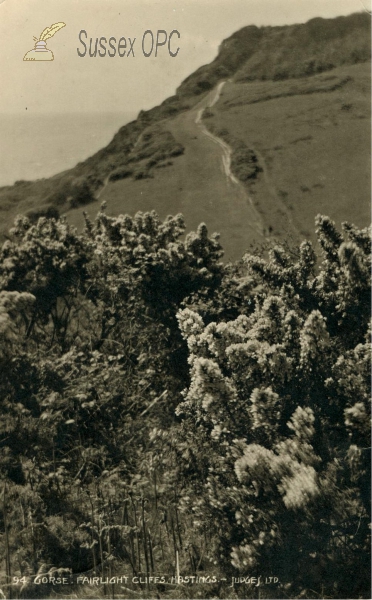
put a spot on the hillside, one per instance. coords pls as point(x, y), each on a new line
point(312, 139)
point(295, 112)
point(173, 426)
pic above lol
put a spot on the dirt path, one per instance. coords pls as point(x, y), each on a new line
point(199, 184)
point(209, 189)
point(211, 100)
point(210, 183)
point(103, 187)
point(226, 150)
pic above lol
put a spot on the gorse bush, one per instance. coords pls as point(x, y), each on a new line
point(276, 417)
point(159, 408)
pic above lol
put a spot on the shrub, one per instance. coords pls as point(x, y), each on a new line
point(120, 173)
point(267, 457)
point(276, 419)
point(80, 193)
point(75, 192)
point(50, 212)
point(244, 163)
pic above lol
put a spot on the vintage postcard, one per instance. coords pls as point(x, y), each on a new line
point(185, 201)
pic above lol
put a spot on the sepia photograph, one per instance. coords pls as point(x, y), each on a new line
point(185, 299)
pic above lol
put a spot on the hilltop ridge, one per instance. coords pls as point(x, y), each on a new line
point(284, 52)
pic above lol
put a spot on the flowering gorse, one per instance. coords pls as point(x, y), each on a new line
point(277, 409)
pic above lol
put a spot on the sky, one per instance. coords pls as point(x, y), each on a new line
point(72, 83)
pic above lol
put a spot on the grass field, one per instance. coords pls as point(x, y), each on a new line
point(313, 136)
point(194, 184)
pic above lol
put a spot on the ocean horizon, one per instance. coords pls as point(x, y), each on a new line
point(33, 146)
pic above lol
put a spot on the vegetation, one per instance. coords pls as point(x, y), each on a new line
point(274, 55)
point(290, 51)
point(163, 414)
point(305, 141)
point(152, 150)
point(244, 162)
point(73, 192)
point(320, 45)
point(43, 211)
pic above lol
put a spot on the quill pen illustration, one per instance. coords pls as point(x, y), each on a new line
point(49, 32)
point(40, 51)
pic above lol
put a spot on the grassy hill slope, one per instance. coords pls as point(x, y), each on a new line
point(312, 137)
point(296, 103)
point(193, 183)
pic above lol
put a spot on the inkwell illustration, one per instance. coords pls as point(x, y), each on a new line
point(41, 52)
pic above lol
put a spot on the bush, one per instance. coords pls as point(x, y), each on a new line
point(276, 419)
point(50, 212)
point(76, 192)
point(267, 457)
point(58, 198)
point(244, 163)
point(120, 173)
point(141, 174)
point(80, 194)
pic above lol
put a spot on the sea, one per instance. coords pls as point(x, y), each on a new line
point(33, 146)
